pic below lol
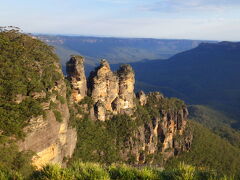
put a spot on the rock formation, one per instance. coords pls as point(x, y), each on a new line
point(41, 109)
point(162, 135)
point(76, 75)
point(162, 131)
point(52, 141)
point(142, 98)
point(126, 96)
point(113, 90)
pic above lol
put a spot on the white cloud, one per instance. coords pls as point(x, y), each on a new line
point(189, 5)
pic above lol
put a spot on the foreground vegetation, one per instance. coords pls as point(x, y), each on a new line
point(94, 171)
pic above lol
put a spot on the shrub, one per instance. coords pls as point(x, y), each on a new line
point(90, 171)
point(10, 175)
point(61, 99)
point(53, 172)
point(122, 172)
point(58, 115)
point(185, 172)
point(147, 174)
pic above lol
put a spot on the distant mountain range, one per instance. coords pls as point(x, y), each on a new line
point(200, 72)
point(208, 75)
point(117, 50)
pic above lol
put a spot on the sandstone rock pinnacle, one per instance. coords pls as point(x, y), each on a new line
point(76, 75)
point(114, 89)
point(142, 98)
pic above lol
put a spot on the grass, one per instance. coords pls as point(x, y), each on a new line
point(95, 171)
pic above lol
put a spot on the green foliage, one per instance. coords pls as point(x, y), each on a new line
point(210, 151)
point(187, 172)
point(121, 127)
point(9, 175)
point(216, 121)
point(13, 162)
point(14, 116)
point(58, 115)
point(53, 172)
point(95, 143)
point(122, 172)
point(52, 105)
point(68, 90)
point(90, 171)
point(61, 99)
point(94, 171)
point(87, 100)
point(27, 66)
point(103, 141)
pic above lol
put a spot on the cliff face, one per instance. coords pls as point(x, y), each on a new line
point(49, 135)
point(161, 123)
point(163, 135)
point(33, 104)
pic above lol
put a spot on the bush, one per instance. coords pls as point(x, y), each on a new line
point(58, 115)
point(122, 172)
point(53, 172)
point(93, 171)
point(90, 171)
point(61, 99)
point(10, 175)
point(185, 172)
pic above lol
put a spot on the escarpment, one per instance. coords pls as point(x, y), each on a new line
point(49, 135)
point(39, 108)
point(149, 128)
point(33, 103)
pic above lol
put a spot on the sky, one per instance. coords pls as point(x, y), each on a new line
point(169, 19)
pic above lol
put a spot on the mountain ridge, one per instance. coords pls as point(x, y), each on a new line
point(199, 76)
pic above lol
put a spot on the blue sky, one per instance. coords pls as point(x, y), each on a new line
point(182, 19)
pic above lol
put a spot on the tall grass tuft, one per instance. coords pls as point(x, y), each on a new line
point(123, 172)
point(53, 172)
point(89, 171)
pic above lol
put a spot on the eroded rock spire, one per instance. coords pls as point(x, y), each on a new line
point(76, 75)
point(114, 89)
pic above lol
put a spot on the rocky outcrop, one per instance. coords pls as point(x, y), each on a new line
point(160, 123)
point(103, 85)
point(51, 140)
point(76, 75)
point(126, 94)
point(111, 91)
point(142, 98)
point(164, 136)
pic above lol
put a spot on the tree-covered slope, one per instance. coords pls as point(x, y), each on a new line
point(216, 121)
point(27, 66)
point(210, 151)
point(28, 69)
